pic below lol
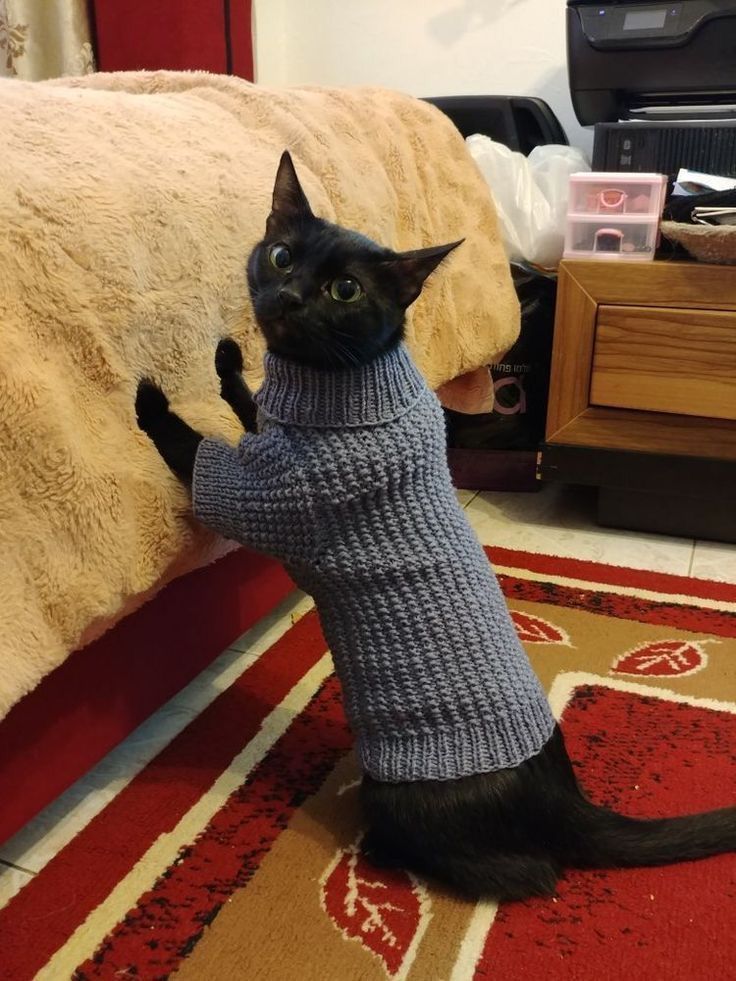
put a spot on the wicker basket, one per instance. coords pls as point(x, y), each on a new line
point(707, 243)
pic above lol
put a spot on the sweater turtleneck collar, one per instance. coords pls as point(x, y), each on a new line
point(298, 395)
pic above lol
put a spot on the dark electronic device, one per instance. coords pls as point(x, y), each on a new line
point(650, 147)
point(633, 59)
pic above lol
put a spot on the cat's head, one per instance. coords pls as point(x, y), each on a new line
point(327, 296)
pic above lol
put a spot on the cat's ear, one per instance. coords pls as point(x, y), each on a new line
point(289, 200)
point(411, 269)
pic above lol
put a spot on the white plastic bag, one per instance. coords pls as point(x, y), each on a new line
point(530, 194)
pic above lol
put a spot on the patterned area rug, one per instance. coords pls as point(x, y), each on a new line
point(234, 853)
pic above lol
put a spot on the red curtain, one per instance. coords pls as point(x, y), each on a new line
point(211, 35)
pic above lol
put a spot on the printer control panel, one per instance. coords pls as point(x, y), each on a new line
point(627, 25)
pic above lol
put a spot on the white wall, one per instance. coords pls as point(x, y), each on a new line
point(424, 47)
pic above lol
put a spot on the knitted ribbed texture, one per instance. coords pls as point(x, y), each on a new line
point(348, 484)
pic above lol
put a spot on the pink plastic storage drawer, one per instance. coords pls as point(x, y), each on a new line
point(614, 216)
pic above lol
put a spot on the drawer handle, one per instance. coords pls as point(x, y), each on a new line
point(611, 199)
point(608, 240)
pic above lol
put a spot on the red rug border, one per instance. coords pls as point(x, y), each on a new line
point(612, 575)
point(660, 613)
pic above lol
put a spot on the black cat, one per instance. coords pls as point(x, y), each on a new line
point(506, 834)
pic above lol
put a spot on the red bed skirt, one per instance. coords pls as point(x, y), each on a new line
point(101, 693)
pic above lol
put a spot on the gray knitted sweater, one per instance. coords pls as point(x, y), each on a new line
point(347, 483)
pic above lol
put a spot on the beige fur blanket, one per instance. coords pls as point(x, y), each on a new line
point(128, 206)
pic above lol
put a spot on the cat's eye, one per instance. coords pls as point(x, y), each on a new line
point(345, 290)
point(279, 256)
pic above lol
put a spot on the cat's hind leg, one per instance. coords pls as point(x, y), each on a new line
point(503, 877)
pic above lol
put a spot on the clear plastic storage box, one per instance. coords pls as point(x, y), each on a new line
point(614, 216)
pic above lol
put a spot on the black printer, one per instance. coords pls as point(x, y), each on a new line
point(659, 79)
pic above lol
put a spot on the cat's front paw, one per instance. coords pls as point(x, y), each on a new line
point(228, 358)
point(150, 404)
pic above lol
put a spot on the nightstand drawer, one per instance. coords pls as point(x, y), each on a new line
point(642, 399)
point(665, 360)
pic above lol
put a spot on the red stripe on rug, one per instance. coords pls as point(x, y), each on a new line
point(615, 605)
point(84, 872)
point(675, 922)
point(612, 575)
point(169, 919)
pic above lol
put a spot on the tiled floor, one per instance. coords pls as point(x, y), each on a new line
point(712, 560)
point(557, 520)
point(560, 520)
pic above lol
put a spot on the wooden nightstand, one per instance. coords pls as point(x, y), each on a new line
point(643, 394)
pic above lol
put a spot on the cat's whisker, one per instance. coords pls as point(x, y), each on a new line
point(345, 350)
point(345, 356)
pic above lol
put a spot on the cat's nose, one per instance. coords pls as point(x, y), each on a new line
point(290, 297)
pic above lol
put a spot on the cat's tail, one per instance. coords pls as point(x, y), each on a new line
point(600, 838)
point(578, 833)
point(582, 834)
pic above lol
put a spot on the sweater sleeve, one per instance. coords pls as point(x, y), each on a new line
point(254, 494)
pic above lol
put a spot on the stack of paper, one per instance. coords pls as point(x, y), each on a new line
point(693, 182)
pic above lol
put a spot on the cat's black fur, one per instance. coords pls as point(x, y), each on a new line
point(295, 310)
point(504, 835)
